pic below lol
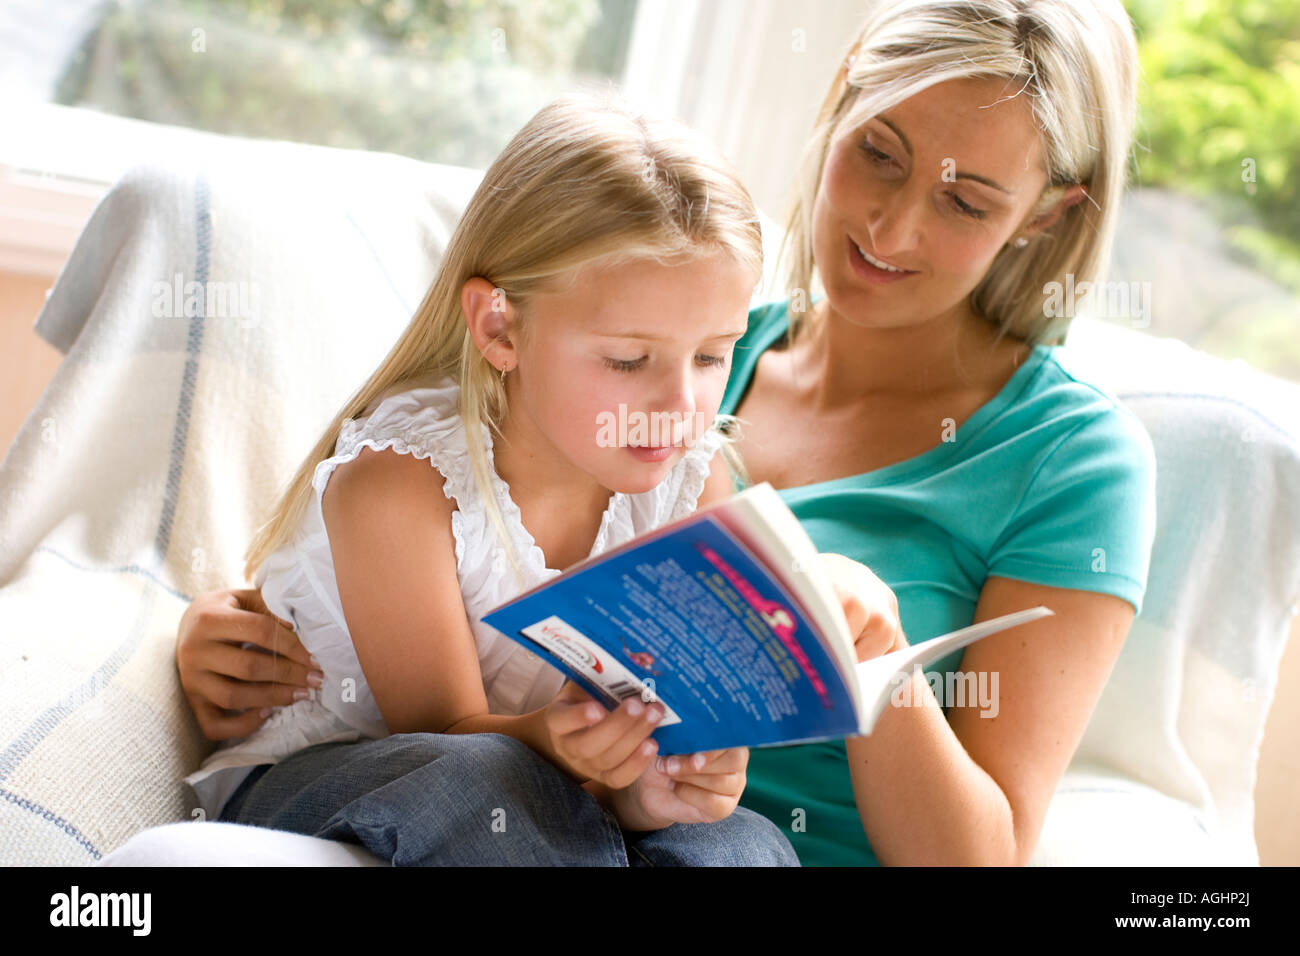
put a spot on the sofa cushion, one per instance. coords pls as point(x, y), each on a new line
point(1184, 709)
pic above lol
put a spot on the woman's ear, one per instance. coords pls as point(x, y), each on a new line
point(490, 318)
point(1072, 196)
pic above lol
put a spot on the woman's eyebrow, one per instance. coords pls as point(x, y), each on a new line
point(985, 180)
point(899, 133)
point(975, 176)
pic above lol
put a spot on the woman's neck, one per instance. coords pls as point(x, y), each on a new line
point(841, 363)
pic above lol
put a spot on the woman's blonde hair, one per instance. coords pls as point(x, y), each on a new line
point(1075, 59)
point(586, 179)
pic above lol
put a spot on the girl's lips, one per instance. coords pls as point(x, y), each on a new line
point(652, 452)
point(869, 272)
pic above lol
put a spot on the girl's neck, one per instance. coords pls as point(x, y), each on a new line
point(536, 471)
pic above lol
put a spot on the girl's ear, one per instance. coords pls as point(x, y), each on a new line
point(490, 317)
point(1072, 196)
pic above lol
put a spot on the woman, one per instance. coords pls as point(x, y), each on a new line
point(905, 400)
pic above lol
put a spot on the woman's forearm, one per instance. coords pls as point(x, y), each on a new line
point(922, 799)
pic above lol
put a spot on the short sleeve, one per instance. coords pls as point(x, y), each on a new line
point(1087, 520)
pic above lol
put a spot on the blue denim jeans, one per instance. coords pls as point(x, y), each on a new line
point(477, 800)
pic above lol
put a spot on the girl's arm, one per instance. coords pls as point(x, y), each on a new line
point(389, 528)
point(974, 789)
point(219, 675)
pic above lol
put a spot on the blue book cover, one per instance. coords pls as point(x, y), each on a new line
point(690, 617)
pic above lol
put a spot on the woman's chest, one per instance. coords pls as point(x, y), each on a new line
point(789, 439)
point(787, 444)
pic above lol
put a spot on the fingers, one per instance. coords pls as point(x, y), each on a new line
point(240, 617)
point(250, 599)
point(268, 632)
point(870, 606)
point(709, 805)
point(220, 618)
point(721, 784)
point(248, 664)
point(703, 766)
point(626, 773)
point(616, 737)
point(241, 695)
point(216, 725)
point(612, 747)
point(878, 635)
point(710, 783)
point(572, 710)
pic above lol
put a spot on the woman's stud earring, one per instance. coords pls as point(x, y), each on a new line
point(1020, 242)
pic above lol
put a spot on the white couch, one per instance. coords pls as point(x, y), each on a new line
point(136, 482)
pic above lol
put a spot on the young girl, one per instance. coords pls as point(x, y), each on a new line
point(604, 265)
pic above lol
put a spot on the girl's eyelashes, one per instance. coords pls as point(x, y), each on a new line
point(622, 365)
point(631, 365)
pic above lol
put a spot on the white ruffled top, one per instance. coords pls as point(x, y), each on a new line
point(298, 582)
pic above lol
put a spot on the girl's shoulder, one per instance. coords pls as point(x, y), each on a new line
point(420, 418)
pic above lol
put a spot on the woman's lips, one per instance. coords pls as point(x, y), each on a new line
point(869, 272)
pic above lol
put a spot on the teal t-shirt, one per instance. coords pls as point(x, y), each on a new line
point(1051, 482)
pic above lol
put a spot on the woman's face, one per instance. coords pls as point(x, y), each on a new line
point(929, 191)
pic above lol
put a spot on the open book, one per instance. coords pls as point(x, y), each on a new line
point(728, 620)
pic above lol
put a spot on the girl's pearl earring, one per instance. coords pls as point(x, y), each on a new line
point(1020, 242)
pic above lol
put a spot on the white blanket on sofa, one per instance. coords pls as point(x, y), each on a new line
point(138, 478)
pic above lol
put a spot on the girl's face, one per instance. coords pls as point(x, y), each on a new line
point(914, 205)
point(623, 370)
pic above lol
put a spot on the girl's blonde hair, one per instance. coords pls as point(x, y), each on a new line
point(1075, 59)
point(586, 179)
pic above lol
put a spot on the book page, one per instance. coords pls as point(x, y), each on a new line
point(876, 677)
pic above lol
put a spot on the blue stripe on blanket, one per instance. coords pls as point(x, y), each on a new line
point(193, 345)
point(54, 818)
point(27, 741)
point(151, 574)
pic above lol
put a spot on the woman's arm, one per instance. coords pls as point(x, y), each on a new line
point(231, 687)
point(972, 789)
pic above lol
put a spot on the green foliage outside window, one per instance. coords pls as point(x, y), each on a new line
point(1220, 117)
point(441, 80)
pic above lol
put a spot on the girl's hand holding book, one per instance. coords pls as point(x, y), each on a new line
point(644, 792)
point(686, 788)
point(611, 747)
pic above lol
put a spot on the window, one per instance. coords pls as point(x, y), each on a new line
point(444, 81)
